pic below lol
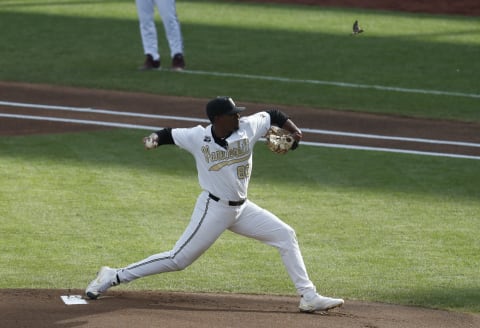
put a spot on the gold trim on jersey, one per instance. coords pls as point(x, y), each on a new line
point(219, 166)
point(237, 152)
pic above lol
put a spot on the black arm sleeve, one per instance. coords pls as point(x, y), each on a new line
point(165, 137)
point(277, 117)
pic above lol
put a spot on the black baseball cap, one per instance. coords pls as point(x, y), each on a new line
point(222, 106)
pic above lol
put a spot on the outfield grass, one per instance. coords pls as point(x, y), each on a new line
point(97, 44)
point(372, 226)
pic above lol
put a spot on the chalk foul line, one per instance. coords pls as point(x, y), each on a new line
point(335, 83)
point(315, 144)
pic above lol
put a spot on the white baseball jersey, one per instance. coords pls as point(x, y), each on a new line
point(224, 172)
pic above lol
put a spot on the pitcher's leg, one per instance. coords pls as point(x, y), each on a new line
point(264, 226)
point(208, 222)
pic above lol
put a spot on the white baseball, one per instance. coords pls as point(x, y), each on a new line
point(150, 143)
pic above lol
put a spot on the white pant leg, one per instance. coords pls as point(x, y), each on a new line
point(148, 30)
point(260, 224)
point(209, 220)
point(168, 12)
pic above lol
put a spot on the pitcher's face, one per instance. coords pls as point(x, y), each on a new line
point(231, 122)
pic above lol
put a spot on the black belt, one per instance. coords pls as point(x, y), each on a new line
point(230, 202)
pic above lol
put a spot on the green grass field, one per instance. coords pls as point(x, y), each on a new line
point(372, 226)
point(97, 44)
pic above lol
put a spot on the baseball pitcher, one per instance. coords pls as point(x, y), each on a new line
point(223, 156)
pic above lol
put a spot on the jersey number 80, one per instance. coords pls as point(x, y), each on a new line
point(243, 171)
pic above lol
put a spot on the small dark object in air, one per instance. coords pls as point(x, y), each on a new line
point(356, 28)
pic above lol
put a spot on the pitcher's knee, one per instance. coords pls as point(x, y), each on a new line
point(290, 231)
point(288, 236)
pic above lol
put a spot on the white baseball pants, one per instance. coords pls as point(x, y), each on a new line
point(148, 30)
point(209, 220)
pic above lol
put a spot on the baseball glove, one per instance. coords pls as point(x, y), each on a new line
point(280, 140)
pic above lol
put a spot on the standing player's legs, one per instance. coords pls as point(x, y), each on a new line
point(209, 220)
point(168, 12)
point(148, 30)
point(260, 224)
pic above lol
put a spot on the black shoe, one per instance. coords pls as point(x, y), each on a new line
point(150, 64)
point(178, 62)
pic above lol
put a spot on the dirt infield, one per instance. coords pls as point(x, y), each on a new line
point(457, 7)
point(307, 118)
point(44, 308)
